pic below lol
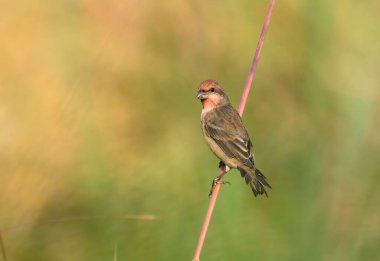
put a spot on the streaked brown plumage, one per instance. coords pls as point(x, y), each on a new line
point(226, 135)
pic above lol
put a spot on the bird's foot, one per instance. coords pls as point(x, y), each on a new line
point(224, 166)
point(221, 164)
point(217, 180)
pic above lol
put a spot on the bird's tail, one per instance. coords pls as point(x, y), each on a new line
point(256, 180)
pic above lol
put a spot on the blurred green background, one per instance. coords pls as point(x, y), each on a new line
point(101, 151)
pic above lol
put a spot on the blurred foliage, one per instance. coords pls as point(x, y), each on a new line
point(101, 147)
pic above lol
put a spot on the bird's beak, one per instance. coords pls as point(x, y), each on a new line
point(202, 95)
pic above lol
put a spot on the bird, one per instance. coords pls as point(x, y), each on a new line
point(228, 139)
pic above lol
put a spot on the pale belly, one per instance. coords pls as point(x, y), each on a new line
point(230, 162)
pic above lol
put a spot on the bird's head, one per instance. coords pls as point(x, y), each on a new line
point(211, 94)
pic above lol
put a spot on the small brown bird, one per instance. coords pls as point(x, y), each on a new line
point(227, 137)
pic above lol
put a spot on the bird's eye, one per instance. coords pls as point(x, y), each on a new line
point(212, 89)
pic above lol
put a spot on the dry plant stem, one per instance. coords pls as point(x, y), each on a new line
point(211, 205)
point(26, 224)
point(243, 101)
point(248, 84)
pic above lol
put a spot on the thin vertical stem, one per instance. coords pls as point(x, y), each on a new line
point(210, 210)
point(115, 253)
point(243, 101)
point(248, 84)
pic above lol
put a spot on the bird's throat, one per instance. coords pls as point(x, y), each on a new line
point(209, 104)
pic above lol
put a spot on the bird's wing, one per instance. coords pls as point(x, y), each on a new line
point(225, 127)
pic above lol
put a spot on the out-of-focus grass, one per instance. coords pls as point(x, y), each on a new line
point(99, 118)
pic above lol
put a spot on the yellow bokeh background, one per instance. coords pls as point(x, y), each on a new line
point(101, 152)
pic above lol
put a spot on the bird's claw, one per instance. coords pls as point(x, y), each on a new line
point(224, 166)
point(221, 164)
point(217, 180)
